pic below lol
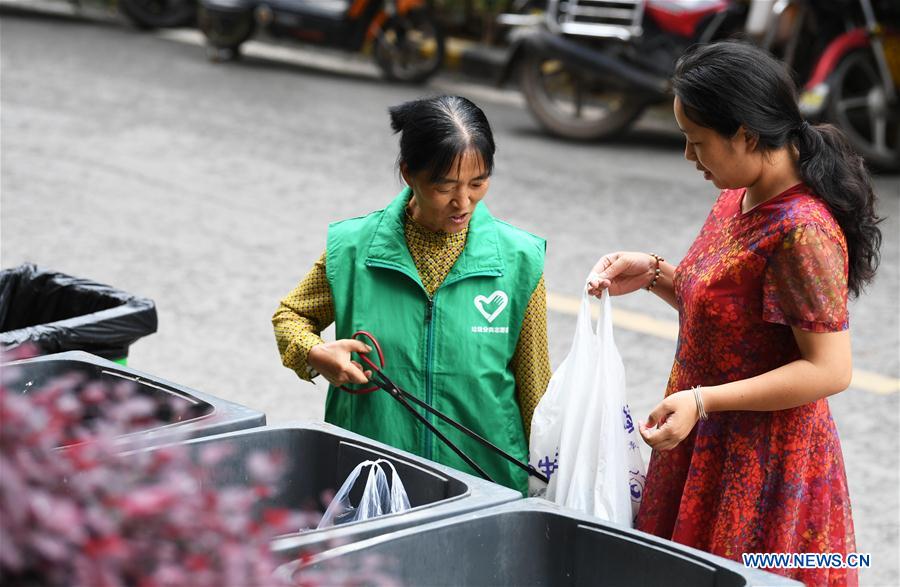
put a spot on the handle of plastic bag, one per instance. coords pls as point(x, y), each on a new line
point(374, 493)
point(399, 499)
point(342, 494)
point(604, 327)
point(584, 326)
point(586, 335)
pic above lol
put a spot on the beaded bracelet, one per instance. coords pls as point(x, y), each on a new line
point(656, 273)
point(698, 399)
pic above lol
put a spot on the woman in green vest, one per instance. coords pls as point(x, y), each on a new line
point(455, 297)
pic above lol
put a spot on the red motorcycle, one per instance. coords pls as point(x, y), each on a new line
point(846, 57)
point(592, 66)
point(403, 35)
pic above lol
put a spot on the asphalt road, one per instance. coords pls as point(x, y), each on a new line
point(127, 158)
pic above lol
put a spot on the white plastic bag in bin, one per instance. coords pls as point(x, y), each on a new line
point(582, 434)
point(379, 497)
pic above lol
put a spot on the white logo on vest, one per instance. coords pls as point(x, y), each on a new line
point(490, 307)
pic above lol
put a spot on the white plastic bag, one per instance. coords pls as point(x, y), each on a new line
point(582, 434)
point(379, 497)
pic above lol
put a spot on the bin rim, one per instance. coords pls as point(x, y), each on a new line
point(221, 409)
point(475, 487)
point(540, 505)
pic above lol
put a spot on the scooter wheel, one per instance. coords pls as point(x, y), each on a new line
point(225, 32)
point(410, 47)
point(859, 105)
point(568, 105)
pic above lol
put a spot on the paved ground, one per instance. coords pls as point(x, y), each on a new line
point(129, 159)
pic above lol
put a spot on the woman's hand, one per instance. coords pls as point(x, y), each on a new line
point(622, 273)
point(670, 421)
point(332, 360)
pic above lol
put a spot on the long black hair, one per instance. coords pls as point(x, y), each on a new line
point(726, 85)
point(434, 131)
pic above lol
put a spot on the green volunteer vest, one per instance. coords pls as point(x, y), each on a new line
point(451, 351)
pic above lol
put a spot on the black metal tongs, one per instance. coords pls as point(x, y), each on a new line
point(406, 399)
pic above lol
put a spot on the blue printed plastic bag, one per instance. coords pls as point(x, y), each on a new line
point(582, 434)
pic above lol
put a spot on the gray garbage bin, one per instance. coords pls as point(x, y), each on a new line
point(533, 542)
point(319, 457)
point(182, 413)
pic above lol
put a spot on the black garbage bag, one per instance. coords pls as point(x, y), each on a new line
point(58, 313)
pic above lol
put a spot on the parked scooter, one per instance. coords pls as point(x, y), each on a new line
point(404, 37)
point(846, 56)
point(592, 66)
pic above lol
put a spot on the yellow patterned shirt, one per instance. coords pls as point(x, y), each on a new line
point(309, 309)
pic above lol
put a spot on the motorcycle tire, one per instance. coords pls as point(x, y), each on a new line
point(157, 14)
point(858, 105)
point(556, 118)
point(410, 47)
point(225, 32)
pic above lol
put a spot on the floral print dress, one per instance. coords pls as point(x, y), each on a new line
point(744, 481)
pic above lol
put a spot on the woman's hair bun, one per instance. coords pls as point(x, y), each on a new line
point(400, 115)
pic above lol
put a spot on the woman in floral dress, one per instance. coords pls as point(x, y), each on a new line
point(746, 455)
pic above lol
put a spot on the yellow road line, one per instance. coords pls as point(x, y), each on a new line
point(874, 382)
point(668, 329)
